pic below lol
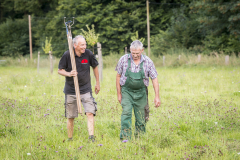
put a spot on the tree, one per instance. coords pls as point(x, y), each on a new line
point(219, 21)
point(14, 40)
point(90, 36)
point(136, 37)
point(48, 46)
point(115, 21)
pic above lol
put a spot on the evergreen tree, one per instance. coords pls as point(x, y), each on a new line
point(219, 22)
point(14, 40)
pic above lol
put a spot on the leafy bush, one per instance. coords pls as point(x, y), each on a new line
point(14, 39)
point(162, 42)
point(181, 33)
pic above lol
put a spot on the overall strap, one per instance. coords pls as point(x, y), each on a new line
point(129, 62)
point(129, 66)
point(141, 65)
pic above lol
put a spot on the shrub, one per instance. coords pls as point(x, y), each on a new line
point(14, 39)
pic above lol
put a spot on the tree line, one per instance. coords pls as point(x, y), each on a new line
point(200, 26)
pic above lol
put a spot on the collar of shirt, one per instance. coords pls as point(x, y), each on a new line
point(142, 58)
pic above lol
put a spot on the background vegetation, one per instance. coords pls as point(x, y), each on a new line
point(201, 26)
point(198, 118)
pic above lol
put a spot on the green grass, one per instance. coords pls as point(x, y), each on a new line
point(198, 118)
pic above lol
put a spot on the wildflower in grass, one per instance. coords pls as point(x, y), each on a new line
point(56, 151)
point(80, 147)
point(25, 86)
point(100, 145)
point(216, 123)
point(46, 115)
point(239, 153)
point(29, 154)
point(124, 141)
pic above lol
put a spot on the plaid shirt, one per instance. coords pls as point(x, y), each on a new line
point(148, 67)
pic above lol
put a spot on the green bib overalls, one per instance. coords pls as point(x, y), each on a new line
point(133, 96)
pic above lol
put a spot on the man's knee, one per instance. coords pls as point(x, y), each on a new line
point(89, 114)
point(70, 119)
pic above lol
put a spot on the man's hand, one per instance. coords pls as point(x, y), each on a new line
point(96, 74)
point(62, 72)
point(73, 73)
point(157, 102)
point(97, 88)
point(119, 98)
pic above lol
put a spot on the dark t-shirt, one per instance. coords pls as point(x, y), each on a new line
point(83, 64)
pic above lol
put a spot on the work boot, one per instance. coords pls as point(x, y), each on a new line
point(91, 138)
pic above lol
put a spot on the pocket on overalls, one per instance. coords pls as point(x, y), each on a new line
point(139, 94)
point(134, 83)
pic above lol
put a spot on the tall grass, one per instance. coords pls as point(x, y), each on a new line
point(198, 118)
point(25, 61)
point(187, 59)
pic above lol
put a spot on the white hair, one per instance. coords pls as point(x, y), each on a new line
point(136, 45)
point(76, 39)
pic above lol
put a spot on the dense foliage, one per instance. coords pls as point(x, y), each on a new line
point(202, 25)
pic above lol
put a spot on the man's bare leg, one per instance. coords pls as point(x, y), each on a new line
point(90, 124)
point(70, 127)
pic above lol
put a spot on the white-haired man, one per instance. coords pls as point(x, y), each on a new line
point(133, 72)
point(84, 59)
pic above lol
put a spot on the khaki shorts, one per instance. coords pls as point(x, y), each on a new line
point(88, 102)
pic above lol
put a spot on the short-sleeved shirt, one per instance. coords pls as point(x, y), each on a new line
point(83, 64)
point(148, 67)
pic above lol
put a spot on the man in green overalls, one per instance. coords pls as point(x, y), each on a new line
point(132, 80)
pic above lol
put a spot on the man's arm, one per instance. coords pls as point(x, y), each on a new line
point(96, 74)
point(156, 89)
point(119, 95)
point(67, 74)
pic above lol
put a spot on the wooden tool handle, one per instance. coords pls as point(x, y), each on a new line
point(75, 78)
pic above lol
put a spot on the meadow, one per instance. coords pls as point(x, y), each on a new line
point(198, 117)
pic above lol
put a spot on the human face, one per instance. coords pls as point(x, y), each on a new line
point(81, 46)
point(136, 54)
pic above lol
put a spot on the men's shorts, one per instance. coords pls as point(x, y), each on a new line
point(88, 102)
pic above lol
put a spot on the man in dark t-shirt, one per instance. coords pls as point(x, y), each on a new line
point(84, 59)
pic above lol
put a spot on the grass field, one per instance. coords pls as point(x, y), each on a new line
point(198, 118)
